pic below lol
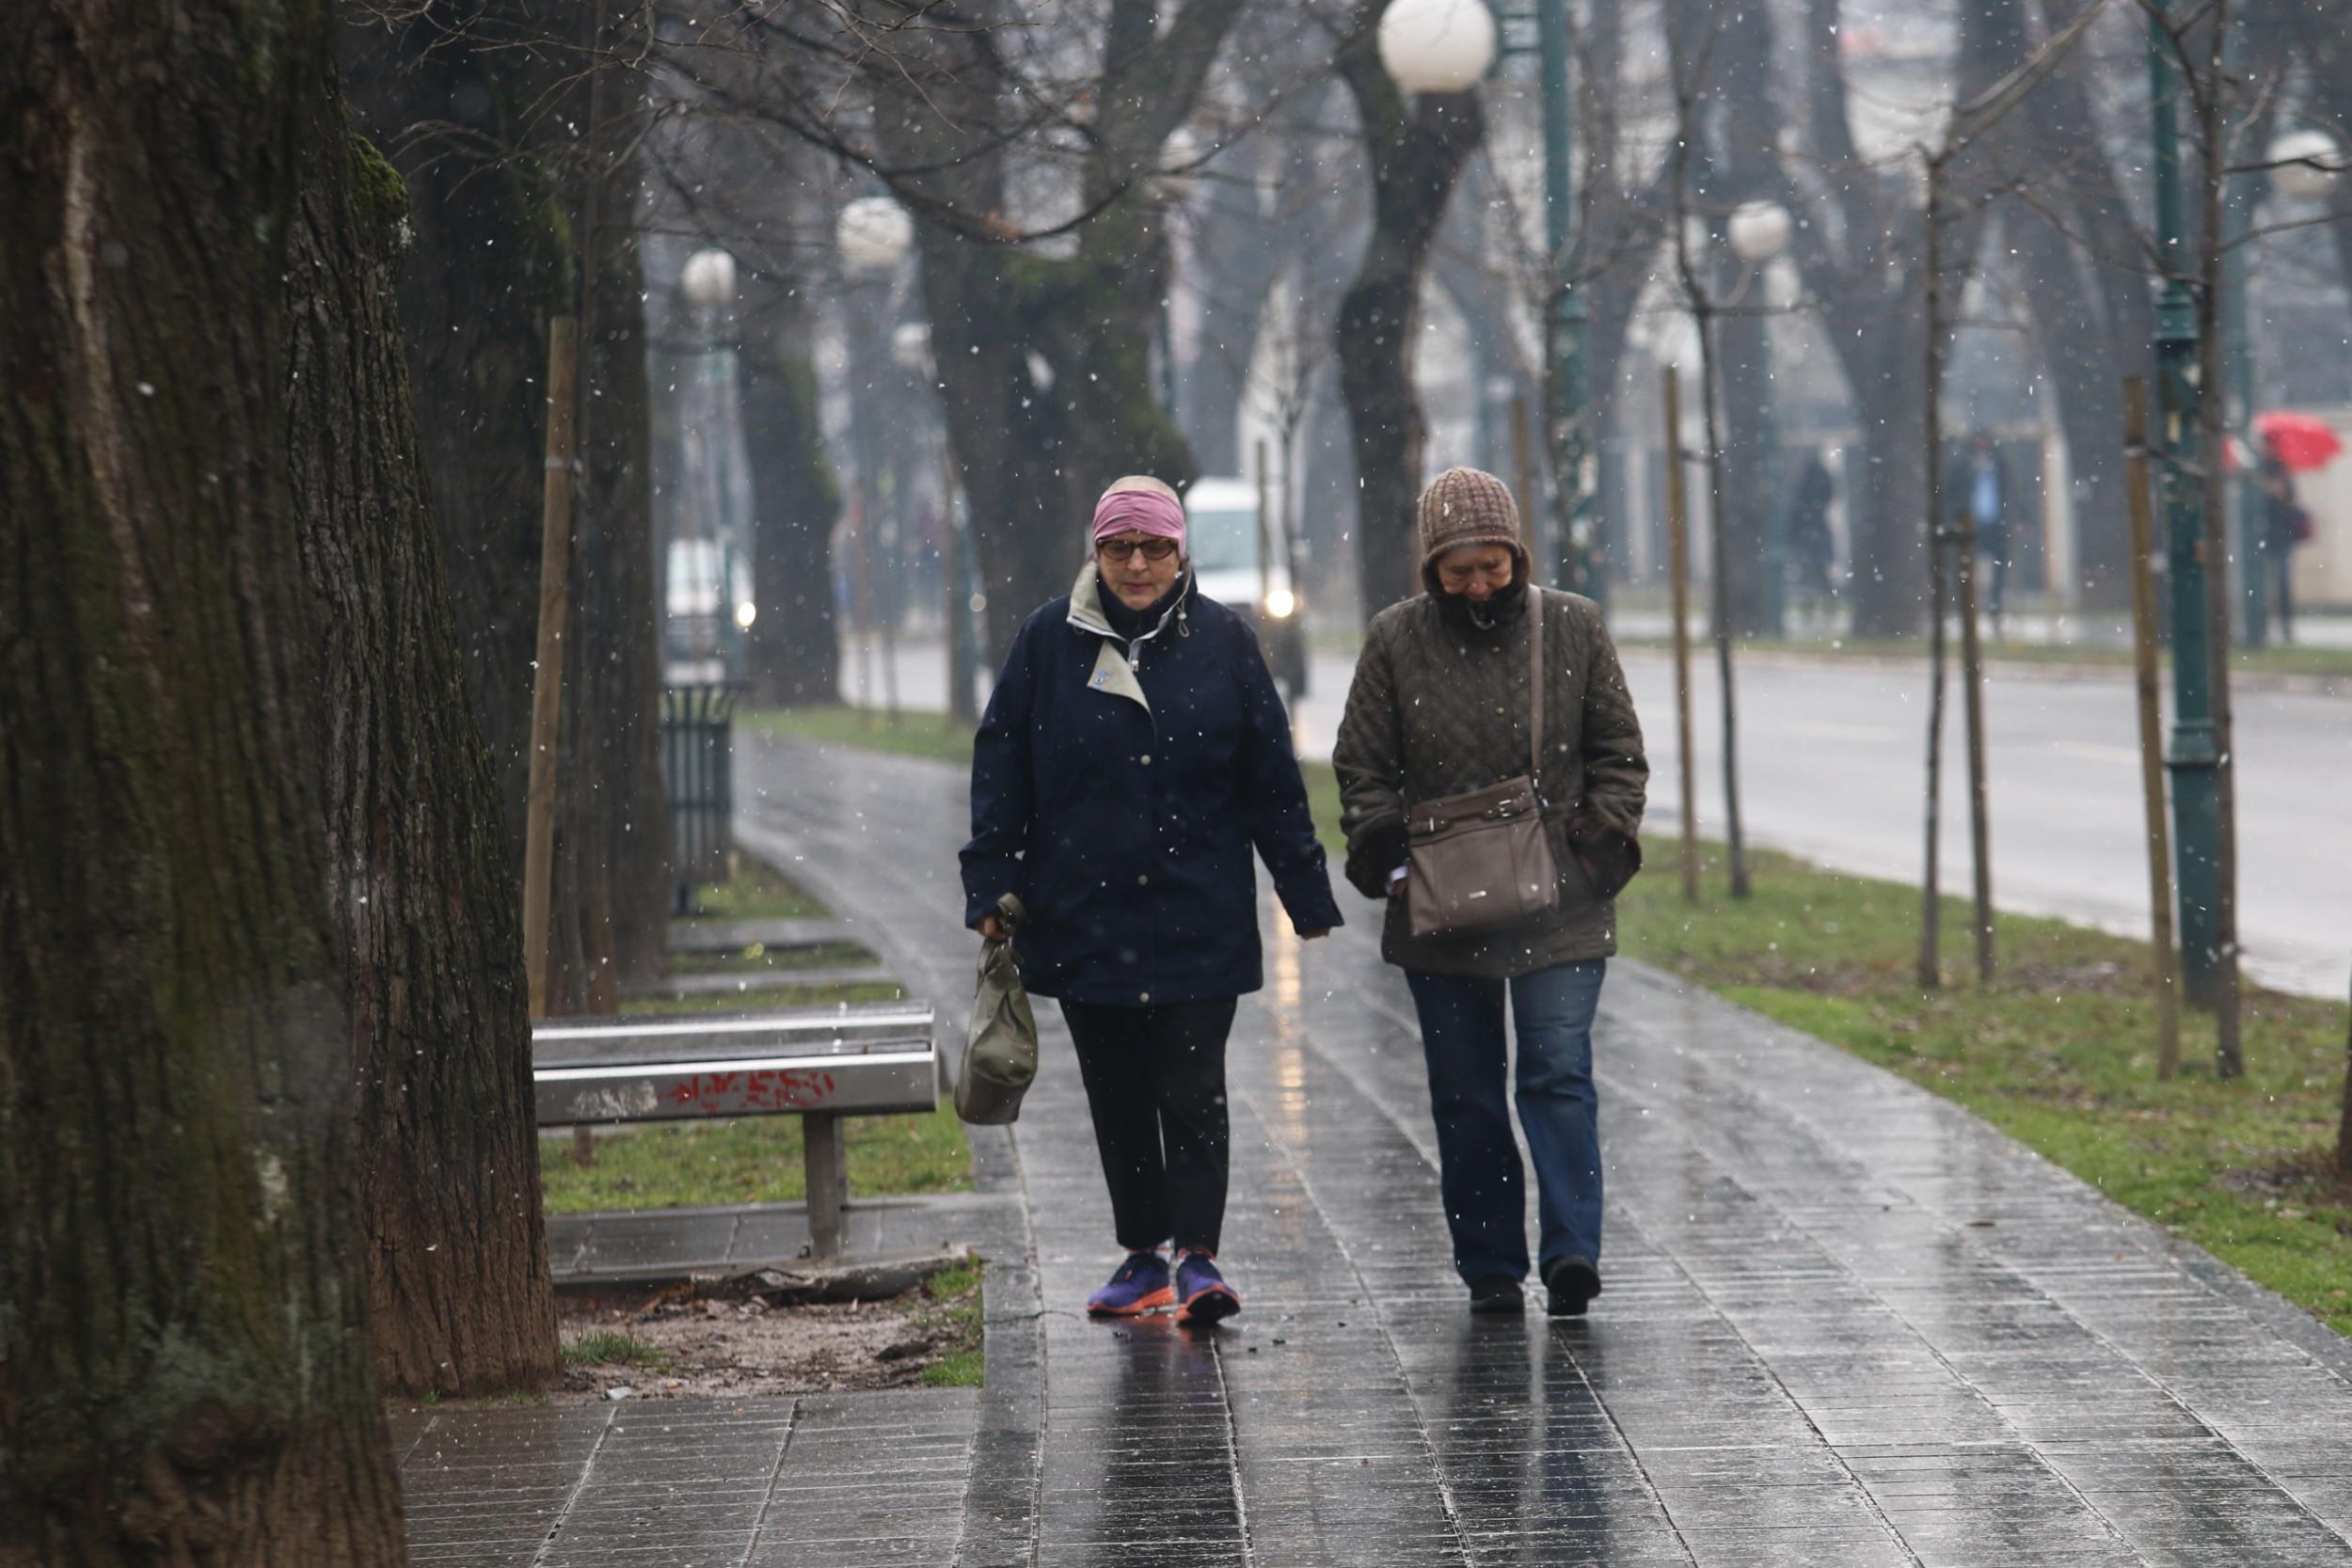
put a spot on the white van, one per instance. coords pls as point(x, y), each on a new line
point(1244, 562)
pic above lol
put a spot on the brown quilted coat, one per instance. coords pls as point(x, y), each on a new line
point(1439, 707)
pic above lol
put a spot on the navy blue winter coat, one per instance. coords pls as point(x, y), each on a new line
point(1120, 801)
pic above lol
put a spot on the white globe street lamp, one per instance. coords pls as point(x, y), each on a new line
point(872, 234)
point(1180, 152)
point(911, 347)
point(1759, 230)
point(708, 279)
point(1436, 45)
point(2307, 165)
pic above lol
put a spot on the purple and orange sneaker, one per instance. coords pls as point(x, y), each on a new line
point(1139, 1286)
point(1205, 1296)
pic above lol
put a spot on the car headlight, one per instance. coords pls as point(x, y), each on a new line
point(745, 614)
point(1282, 604)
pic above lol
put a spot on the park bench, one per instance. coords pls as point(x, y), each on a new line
point(819, 1064)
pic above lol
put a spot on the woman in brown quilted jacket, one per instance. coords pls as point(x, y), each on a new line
point(1440, 707)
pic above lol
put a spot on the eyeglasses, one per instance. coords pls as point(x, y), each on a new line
point(1118, 550)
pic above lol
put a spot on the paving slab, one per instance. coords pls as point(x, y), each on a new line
point(848, 1479)
point(1845, 1321)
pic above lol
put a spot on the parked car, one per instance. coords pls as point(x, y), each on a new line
point(708, 597)
point(1244, 562)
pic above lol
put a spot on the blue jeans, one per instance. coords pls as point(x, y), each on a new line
point(1462, 1037)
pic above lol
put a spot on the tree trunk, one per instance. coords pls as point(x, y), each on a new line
point(423, 898)
point(490, 261)
point(2088, 303)
point(1238, 252)
point(188, 1375)
point(453, 90)
point(1006, 435)
point(612, 878)
point(1888, 496)
point(2320, 38)
point(794, 652)
point(1032, 454)
point(1867, 277)
point(1415, 158)
point(2083, 362)
point(1386, 432)
point(2344, 1122)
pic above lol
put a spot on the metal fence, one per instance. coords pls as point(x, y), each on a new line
point(698, 772)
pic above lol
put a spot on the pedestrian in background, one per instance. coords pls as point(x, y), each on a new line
point(1133, 753)
point(1440, 705)
point(2285, 525)
point(1983, 489)
point(1811, 546)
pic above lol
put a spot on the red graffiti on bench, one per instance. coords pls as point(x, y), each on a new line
point(760, 1089)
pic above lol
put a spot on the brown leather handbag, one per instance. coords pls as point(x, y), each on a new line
point(1480, 861)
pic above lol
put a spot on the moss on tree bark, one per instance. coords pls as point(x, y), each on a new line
point(184, 1369)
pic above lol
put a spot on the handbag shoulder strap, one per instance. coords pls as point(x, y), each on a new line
point(1535, 684)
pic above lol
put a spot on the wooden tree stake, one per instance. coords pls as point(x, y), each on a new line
point(555, 529)
point(1679, 568)
point(2166, 975)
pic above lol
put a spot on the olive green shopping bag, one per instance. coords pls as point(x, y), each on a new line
point(1000, 1046)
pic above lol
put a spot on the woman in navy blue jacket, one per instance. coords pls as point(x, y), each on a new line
point(1133, 753)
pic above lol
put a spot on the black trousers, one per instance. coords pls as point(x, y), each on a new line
point(1155, 1081)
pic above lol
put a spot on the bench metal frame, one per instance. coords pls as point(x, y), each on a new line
point(819, 1064)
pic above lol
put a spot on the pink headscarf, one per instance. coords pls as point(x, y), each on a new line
point(1152, 513)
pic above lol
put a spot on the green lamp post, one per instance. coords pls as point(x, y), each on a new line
point(2192, 755)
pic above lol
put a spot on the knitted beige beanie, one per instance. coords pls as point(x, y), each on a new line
point(1468, 506)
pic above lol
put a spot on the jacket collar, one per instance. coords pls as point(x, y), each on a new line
point(1086, 605)
point(1114, 670)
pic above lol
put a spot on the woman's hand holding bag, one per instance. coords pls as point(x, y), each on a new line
point(1000, 1045)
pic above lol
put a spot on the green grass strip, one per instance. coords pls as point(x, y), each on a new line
point(2058, 1051)
point(757, 892)
point(915, 735)
point(609, 1347)
point(955, 1311)
point(700, 1163)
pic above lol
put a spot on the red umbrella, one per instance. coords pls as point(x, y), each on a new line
point(2302, 441)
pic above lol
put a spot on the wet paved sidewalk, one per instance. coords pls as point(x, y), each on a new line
point(863, 1481)
point(1845, 1323)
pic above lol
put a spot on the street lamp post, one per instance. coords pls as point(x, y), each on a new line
point(911, 347)
point(872, 235)
point(1446, 46)
point(709, 282)
point(2192, 755)
point(1760, 234)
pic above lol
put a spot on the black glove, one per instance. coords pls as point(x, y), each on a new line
point(1377, 849)
point(1609, 856)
